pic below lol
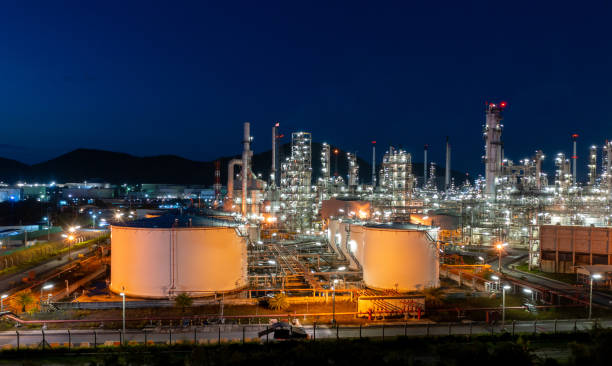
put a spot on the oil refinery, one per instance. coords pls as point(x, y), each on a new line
point(306, 232)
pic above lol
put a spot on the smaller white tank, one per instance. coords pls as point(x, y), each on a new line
point(401, 257)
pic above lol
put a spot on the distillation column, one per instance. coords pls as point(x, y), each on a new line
point(245, 166)
point(574, 158)
point(493, 146)
point(425, 165)
point(448, 165)
point(592, 165)
point(373, 164)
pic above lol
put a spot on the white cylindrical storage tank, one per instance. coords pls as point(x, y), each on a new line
point(157, 262)
point(399, 257)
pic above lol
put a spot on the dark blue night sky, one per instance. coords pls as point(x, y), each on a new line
point(160, 78)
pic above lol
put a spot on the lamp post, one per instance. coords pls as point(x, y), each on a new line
point(528, 291)
point(496, 279)
point(44, 288)
point(123, 300)
point(4, 296)
point(334, 302)
point(504, 288)
point(499, 249)
point(594, 276)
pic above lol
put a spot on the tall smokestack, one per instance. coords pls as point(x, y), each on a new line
point(274, 155)
point(574, 158)
point(246, 143)
point(425, 165)
point(448, 165)
point(373, 164)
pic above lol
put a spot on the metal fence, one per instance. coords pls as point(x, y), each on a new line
point(218, 334)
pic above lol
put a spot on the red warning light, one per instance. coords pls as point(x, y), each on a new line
point(575, 136)
point(374, 142)
point(503, 104)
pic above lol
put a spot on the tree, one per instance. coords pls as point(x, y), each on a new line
point(278, 302)
point(433, 296)
point(183, 301)
point(24, 299)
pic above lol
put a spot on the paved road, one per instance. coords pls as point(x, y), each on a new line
point(212, 334)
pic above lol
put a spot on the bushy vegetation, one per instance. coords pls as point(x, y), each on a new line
point(183, 301)
point(584, 349)
point(278, 302)
point(38, 253)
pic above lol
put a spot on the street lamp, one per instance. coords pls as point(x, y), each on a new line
point(499, 247)
point(4, 296)
point(123, 300)
point(44, 288)
point(594, 276)
point(506, 287)
point(334, 302)
point(528, 291)
point(496, 279)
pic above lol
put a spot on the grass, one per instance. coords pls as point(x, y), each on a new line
point(568, 278)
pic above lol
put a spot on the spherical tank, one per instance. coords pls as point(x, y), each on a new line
point(402, 259)
point(158, 262)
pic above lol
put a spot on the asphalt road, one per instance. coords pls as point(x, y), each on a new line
point(212, 333)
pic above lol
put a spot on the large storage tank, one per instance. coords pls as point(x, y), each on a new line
point(159, 257)
point(399, 257)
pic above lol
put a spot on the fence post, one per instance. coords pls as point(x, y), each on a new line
point(120, 337)
point(383, 332)
point(145, 337)
point(337, 331)
point(360, 331)
point(405, 329)
point(471, 325)
point(69, 340)
point(96, 340)
point(428, 329)
point(242, 334)
point(449, 328)
point(555, 326)
point(314, 332)
point(219, 336)
point(170, 334)
point(43, 339)
point(195, 336)
point(575, 326)
point(17, 339)
point(513, 325)
point(535, 330)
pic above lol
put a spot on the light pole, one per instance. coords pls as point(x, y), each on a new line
point(499, 249)
point(4, 296)
point(594, 276)
point(94, 221)
point(44, 288)
point(123, 300)
point(496, 279)
point(504, 288)
point(528, 291)
point(334, 303)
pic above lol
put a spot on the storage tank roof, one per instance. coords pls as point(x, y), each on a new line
point(181, 221)
point(400, 226)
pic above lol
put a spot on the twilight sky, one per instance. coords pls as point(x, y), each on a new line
point(180, 77)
